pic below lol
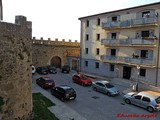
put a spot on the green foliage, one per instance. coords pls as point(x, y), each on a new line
point(40, 108)
point(1, 103)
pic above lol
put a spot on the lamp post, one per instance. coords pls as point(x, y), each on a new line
point(138, 68)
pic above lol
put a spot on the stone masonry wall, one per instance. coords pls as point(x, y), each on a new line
point(44, 50)
point(15, 70)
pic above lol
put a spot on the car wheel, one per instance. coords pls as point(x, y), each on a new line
point(95, 89)
point(150, 109)
point(82, 84)
point(62, 99)
point(108, 93)
point(127, 101)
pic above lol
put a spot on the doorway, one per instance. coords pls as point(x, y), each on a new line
point(126, 72)
point(56, 61)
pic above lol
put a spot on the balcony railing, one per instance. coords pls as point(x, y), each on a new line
point(130, 23)
point(123, 42)
point(127, 60)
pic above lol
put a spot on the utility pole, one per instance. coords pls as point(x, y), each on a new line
point(1, 10)
point(157, 71)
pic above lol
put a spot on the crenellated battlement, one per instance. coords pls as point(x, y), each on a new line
point(55, 42)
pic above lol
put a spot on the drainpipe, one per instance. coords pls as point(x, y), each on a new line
point(80, 59)
point(157, 70)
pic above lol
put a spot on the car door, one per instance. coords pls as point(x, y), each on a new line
point(100, 87)
point(136, 100)
point(145, 101)
point(40, 81)
point(58, 92)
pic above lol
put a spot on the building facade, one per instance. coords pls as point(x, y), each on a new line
point(123, 44)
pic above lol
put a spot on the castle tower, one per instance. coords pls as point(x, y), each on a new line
point(15, 70)
point(1, 10)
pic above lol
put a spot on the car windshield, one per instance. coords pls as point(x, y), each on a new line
point(69, 90)
point(44, 69)
point(158, 100)
point(108, 85)
point(52, 68)
point(83, 77)
point(49, 81)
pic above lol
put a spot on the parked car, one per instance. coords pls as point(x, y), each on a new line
point(52, 69)
point(64, 92)
point(45, 82)
point(42, 70)
point(65, 68)
point(81, 79)
point(105, 87)
point(146, 99)
point(33, 69)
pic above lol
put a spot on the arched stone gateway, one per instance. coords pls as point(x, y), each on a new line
point(56, 61)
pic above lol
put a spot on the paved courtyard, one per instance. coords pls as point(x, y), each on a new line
point(92, 105)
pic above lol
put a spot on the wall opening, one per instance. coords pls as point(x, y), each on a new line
point(56, 61)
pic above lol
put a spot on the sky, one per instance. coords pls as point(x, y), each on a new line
point(59, 18)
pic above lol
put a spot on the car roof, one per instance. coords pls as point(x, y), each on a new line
point(151, 94)
point(80, 74)
point(64, 87)
point(102, 81)
point(46, 78)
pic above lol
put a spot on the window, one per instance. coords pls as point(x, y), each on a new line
point(113, 52)
point(87, 37)
point(98, 21)
point(142, 72)
point(96, 64)
point(145, 33)
point(87, 23)
point(86, 50)
point(97, 51)
point(86, 63)
point(111, 67)
point(146, 99)
point(114, 18)
point(145, 14)
point(144, 53)
point(100, 84)
point(98, 36)
point(113, 35)
point(138, 97)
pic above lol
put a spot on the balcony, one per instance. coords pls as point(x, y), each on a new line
point(130, 23)
point(128, 60)
point(130, 42)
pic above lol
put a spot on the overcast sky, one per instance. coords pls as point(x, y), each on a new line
point(59, 18)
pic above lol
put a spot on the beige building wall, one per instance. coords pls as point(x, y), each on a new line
point(129, 33)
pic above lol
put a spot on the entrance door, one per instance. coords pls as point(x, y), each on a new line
point(126, 72)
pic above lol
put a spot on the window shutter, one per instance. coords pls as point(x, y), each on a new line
point(137, 52)
point(108, 35)
point(152, 13)
point(118, 18)
point(108, 51)
point(150, 54)
point(151, 33)
point(139, 15)
point(138, 34)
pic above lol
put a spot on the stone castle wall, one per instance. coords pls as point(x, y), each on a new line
point(44, 50)
point(15, 69)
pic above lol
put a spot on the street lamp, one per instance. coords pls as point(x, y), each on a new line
point(138, 68)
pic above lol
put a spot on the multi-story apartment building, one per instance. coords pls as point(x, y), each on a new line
point(123, 43)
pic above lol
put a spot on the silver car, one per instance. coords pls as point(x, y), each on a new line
point(105, 87)
point(147, 99)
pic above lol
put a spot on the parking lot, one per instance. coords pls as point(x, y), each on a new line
point(93, 105)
